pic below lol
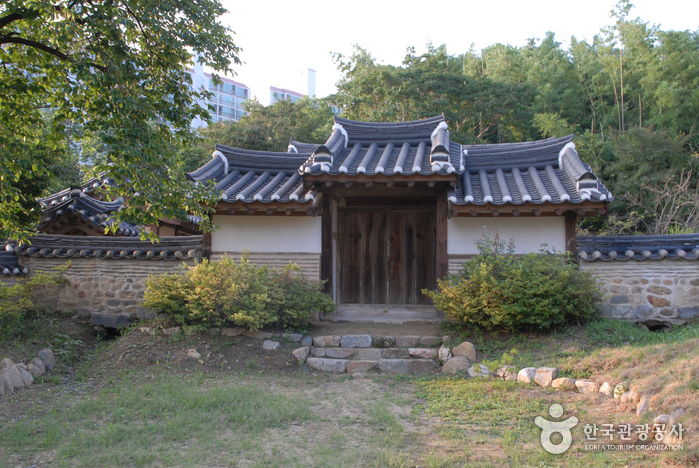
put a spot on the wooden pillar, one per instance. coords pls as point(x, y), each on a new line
point(206, 245)
point(571, 222)
point(442, 264)
point(326, 244)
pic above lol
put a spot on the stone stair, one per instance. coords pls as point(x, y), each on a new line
point(391, 314)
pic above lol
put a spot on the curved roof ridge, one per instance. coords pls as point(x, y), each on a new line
point(357, 123)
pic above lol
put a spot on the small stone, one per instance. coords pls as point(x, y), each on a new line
point(148, 330)
point(606, 389)
point(192, 353)
point(563, 383)
point(408, 341)
point(368, 354)
point(424, 353)
point(620, 389)
point(301, 353)
point(659, 290)
point(337, 366)
point(6, 387)
point(35, 371)
point(479, 370)
point(384, 342)
point(21, 365)
point(430, 341)
point(394, 366)
point(213, 331)
point(99, 329)
point(6, 363)
point(340, 353)
point(232, 331)
point(307, 341)
point(269, 345)
point(506, 372)
point(25, 377)
point(456, 365)
point(258, 335)
point(446, 339)
point(15, 377)
point(658, 301)
point(361, 366)
point(422, 366)
point(586, 386)
point(318, 352)
point(39, 364)
point(629, 396)
point(444, 353)
point(526, 375)
point(294, 337)
point(355, 341)
point(326, 341)
point(395, 353)
point(46, 356)
point(661, 419)
point(465, 349)
point(545, 375)
point(643, 405)
point(171, 331)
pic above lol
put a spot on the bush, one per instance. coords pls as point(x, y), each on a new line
point(497, 290)
point(223, 292)
point(20, 299)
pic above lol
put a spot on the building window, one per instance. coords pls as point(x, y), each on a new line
point(212, 86)
point(242, 93)
point(228, 100)
point(228, 88)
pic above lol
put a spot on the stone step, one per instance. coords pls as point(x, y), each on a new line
point(387, 366)
point(370, 354)
point(391, 314)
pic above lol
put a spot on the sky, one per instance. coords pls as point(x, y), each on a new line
point(281, 40)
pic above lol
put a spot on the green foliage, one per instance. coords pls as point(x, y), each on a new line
point(23, 298)
point(225, 292)
point(614, 333)
point(497, 290)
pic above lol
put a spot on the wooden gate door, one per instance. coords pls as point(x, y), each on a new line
point(386, 258)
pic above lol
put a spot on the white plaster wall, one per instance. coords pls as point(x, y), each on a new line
point(267, 234)
point(528, 233)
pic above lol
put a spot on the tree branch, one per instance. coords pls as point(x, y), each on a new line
point(37, 45)
point(12, 17)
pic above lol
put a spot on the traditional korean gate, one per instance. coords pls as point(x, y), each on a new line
point(386, 257)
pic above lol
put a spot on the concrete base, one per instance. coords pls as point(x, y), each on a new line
point(387, 313)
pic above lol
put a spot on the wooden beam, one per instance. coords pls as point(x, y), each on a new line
point(326, 245)
point(206, 245)
point(380, 178)
point(570, 224)
point(442, 261)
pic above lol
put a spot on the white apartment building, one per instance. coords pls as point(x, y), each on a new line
point(226, 101)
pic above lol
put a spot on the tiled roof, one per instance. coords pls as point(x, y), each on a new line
point(9, 265)
point(94, 212)
point(620, 248)
point(88, 187)
point(106, 247)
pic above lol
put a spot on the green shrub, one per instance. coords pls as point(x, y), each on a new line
point(497, 290)
point(22, 298)
point(225, 292)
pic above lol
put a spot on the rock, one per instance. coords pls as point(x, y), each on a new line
point(21, 365)
point(107, 320)
point(446, 339)
point(46, 356)
point(192, 353)
point(368, 354)
point(620, 389)
point(39, 364)
point(395, 353)
point(422, 366)
point(326, 341)
point(563, 383)
point(355, 341)
point(408, 341)
point(301, 353)
point(171, 331)
point(6, 363)
point(643, 405)
point(526, 375)
point(465, 349)
point(307, 341)
point(99, 329)
point(232, 331)
point(384, 342)
point(6, 387)
point(269, 345)
point(394, 366)
point(15, 377)
point(586, 386)
point(318, 352)
point(507, 372)
point(149, 330)
point(444, 353)
point(337, 366)
point(478, 370)
point(662, 419)
point(545, 375)
point(213, 331)
point(672, 438)
point(340, 353)
point(25, 377)
point(259, 335)
point(294, 337)
point(456, 365)
point(430, 341)
point(35, 371)
point(630, 396)
point(424, 353)
point(361, 366)
point(606, 389)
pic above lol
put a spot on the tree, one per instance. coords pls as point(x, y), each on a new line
point(117, 70)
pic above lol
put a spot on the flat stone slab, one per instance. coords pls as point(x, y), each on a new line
point(307, 341)
point(171, 331)
point(336, 366)
point(395, 353)
point(232, 331)
point(301, 353)
point(295, 337)
point(586, 386)
point(259, 335)
point(110, 320)
point(339, 353)
point(360, 366)
point(563, 383)
point(332, 341)
point(430, 341)
point(422, 366)
point(269, 345)
point(318, 352)
point(384, 342)
point(423, 353)
point(368, 354)
point(409, 341)
point(355, 341)
point(394, 366)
